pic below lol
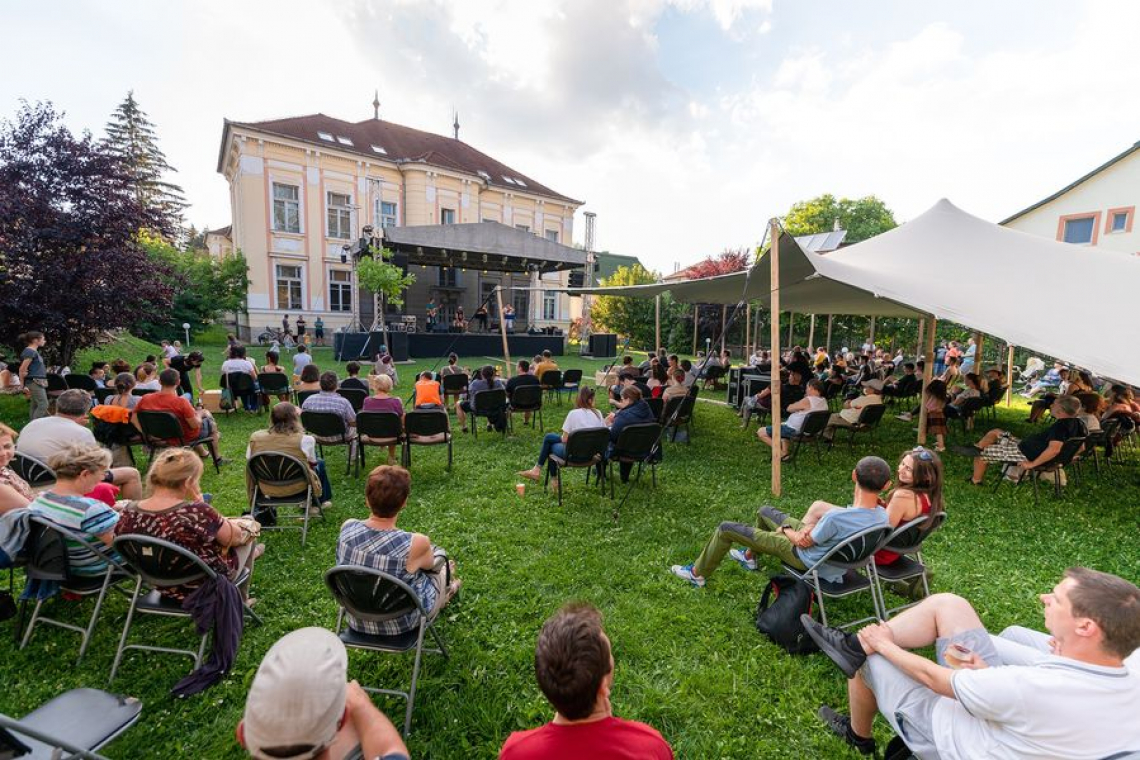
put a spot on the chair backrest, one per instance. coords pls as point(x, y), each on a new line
point(871, 415)
point(302, 395)
point(46, 550)
point(971, 406)
point(239, 383)
point(370, 594)
point(455, 383)
point(551, 378)
point(159, 426)
point(694, 391)
point(572, 377)
point(82, 382)
point(274, 468)
point(32, 470)
point(588, 445)
point(855, 550)
point(426, 422)
point(489, 401)
point(1108, 429)
point(379, 424)
point(102, 394)
point(909, 536)
point(324, 424)
point(681, 406)
point(1068, 452)
point(638, 441)
point(273, 382)
point(815, 423)
point(527, 398)
point(355, 397)
point(656, 405)
point(142, 391)
point(831, 390)
point(55, 383)
point(160, 563)
point(715, 372)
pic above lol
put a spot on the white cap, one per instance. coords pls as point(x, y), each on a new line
point(298, 695)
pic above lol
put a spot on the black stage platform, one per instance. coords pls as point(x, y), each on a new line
point(420, 345)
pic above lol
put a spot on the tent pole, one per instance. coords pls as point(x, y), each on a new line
point(723, 322)
point(927, 376)
point(979, 343)
point(503, 332)
point(777, 442)
point(696, 322)
point(1009, 376)
point(791, 325)
point(871, 332)
point(830, 322)
point(918, 348)
point(747, 329)
point(811, 334)
point(657, 322)
point(756, 331)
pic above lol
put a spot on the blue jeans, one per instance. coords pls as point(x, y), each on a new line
point(551, 444)
point(323, 476)
point(785, 431)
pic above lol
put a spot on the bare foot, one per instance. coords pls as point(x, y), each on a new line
point(532, 474)
point(453, 588)
point(258, 551)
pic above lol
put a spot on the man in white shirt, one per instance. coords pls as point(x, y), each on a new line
point(848, 416)
point(1022, 694)
point(301, 359)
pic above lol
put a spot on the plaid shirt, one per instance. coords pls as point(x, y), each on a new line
point(385, 550)
point(331, 401)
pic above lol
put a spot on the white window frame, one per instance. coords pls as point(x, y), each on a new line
point(279, 280)
point(551, 235)
point(523, 227)
point(381, 216)
point(1123, 217)
point(549, 305)
point(338, 217)
point(443, 212)
point(1090, 219)
point(340, 282)
point(286, 204)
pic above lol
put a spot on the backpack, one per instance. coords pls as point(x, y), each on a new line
point(778, 615)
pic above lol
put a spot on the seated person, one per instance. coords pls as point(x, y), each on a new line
point(78, 469)
point(1073, 383)
point(309, 379)
point(902, 386)
point(545, 365)
point(175, 511)
point(583, 416)
point(301, 359)
point(48, 436)
point(522, 377)
point(427, 392)
point(452, 367)
point(328, 400)
point(797, 415)
point(15, 493)
point(382, 400)
point(791, 391)
point(632, 410)
point(196, 423)
point(1022, 694)
point(485, 381)
point(690, 375)
point(1049, 381)
point(377, 543)
point(677, 385)
point(1033, 451)
point(973, 387)
point(98, 373)
point(848, 416)
point(146, 377)
point(286, 436)
point(353, 380)
point(800, 543)
point(574, 666)
point(301, 705)
point(385, 366)
point(627, 379)
point(919, 492)
point(658, 380)
point(237, 362)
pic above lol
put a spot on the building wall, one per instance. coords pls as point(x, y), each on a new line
point(254, 163)
point(1114, 190)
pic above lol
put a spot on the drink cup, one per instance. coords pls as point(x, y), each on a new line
point(520, 489)
point(957, 655)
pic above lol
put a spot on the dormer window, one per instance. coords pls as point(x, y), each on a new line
point(343, 140)
point(325, 136)
point(378, 149)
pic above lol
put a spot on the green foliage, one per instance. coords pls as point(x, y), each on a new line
point(862, 218)
point(383, 278)
point(205, 288)
point(132, 137)
point(634, 317)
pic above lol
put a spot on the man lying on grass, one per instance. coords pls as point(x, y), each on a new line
point(799, 543)
point(1022, 694)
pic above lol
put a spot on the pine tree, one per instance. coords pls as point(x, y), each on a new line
point(131, 136)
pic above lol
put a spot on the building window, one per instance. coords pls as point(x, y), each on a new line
point(552, 235)
point(523, 227)
point(388, 216)
point(340, 215)
point(286, 208)
point(1079, 230)
point(340, 290)
point(447, 216)
point(549, 305)
point(289, 287)
point(448, 277)
point(488, 294)
point(1120, 219)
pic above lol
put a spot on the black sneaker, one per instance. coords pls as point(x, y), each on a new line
point(840, 725)
point(844, 649)
point(967, 451)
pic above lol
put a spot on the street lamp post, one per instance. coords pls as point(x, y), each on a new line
point(186, 328)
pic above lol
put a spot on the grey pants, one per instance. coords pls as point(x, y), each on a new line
point(39, 407)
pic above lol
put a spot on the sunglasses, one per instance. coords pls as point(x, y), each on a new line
point(923, 454)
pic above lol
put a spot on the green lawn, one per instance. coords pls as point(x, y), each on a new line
point(689, 661)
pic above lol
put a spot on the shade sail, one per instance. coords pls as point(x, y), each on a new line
point(1067, 301)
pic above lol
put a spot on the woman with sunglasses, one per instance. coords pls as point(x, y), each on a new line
point(918, 492)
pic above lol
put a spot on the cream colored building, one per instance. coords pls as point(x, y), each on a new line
point(303, 188)
point(1098, 209)
point(220, 242)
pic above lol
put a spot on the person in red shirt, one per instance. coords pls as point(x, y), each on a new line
point(575, 670)
point(196, 423)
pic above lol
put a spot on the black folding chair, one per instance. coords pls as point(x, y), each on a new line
point(160, 428)
point(1054, 467)
point(811, 432)
point(282, 473)
point(374, 596)
point(102, 394)
point(970, 407)
point(906, 540)
point(142, 391)
point(161, 564)
point(273, 384)
point(713, 375)
point(571, 381)
point(48, 561)
point(1102, 439)
point(330, 429)
point(551, 382)
point(426, 427)
point(73, 726)
point(355, 397)
point(868, 422)
point(242, 388)
point(82, 382)
point(656, 405)
point(34, 472)
point(302, 395)
point(56, 385)
point(851, 555)
point(492, 404)
point(584, 448)
point(636, 444)
point(527, 399)
point(453, 385)
point(378, 429)
point(678, 412)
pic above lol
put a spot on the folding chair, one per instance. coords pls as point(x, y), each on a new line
point(48, 561)
point(82, 382)
point(281, 472)
point(355, 397)
point(241, 387)
point(1103, 438)
point(551, 382)
point(812, 431)
point(677, 412)
point(426, 427)
point(56, 385)
point(76, 724)
point(571, 381)
point(34, 472)
point(527, 399)
point(302, 395)
point(140, 392)
point(970, 407)
point(102, 394)
point(453, 385)
point(636, 444)
point(376, 597)
point(378, 429)
point(273, 384)
point(489, 403)
point(1069, 450)
point(330, 429)
point(161, 564)
point(867, 422)
point(906, 540)
point(656, 405)
point(159, 428)
point(852, 554)
point(584, 448)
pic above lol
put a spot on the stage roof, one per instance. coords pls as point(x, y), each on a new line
point(482, 245)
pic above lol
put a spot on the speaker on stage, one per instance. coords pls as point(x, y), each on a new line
point(603, 344)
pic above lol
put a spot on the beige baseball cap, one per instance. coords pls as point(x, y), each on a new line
point(875, 385)
point(297, 698)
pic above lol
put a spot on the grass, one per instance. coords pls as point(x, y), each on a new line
point(688, 661)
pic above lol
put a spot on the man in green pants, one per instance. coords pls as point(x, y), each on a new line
point(800, 543)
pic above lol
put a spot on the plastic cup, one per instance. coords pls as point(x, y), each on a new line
point(957, 655)
point(520, 489)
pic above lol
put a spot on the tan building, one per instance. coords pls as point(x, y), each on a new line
point(220, 242)
point(303, 188)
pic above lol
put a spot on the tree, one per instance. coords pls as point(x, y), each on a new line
point(862, 218)
point(70, 260)
point(634, 317)
point(131, 136)
point(727, 262)
point(376, 273)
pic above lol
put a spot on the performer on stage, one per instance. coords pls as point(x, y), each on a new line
point(481, 317)
point(432, 314)
point(509, 317)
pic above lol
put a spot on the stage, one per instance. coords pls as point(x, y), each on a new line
point(420, 345)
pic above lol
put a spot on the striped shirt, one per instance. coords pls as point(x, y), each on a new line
point(88, 518)
point(385, 550)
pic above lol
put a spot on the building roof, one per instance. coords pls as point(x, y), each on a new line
point(381, 140)
point(1071, 185)
point(481, 245)
point(225, 232)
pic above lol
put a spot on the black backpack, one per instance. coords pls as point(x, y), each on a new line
point(778, 615)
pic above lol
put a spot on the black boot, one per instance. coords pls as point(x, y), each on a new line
point(840, 725)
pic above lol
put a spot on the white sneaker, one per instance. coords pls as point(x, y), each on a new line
point(740, 556)
point(686, 572)
point(904, 417)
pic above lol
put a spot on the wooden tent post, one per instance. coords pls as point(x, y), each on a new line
point(830, 322)
point(791, 324)
point(979, 343)
point(657, 322)
point(503, 332)
point(723, 323)
point(777, 442)
point(696, 324)
point(1009, 376)
point(747, 330)
point(871, 332)
point(927, 376)
point(811, 335)
point(918, 348)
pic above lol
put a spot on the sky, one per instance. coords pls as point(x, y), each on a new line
point(685, 125)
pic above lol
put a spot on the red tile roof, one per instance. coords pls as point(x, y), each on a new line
point(401, 144)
